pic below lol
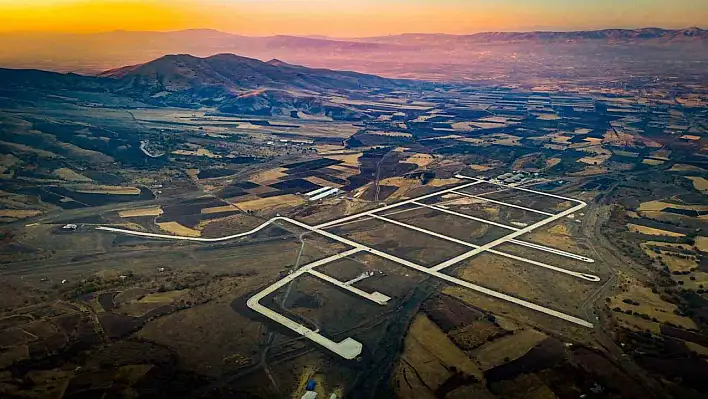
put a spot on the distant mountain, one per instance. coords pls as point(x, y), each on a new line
point(609, 35)
point(504, 57)
point(92, 53)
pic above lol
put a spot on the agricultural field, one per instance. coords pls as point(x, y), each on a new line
point(135, 238)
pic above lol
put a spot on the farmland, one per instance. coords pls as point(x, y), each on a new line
point(472, 165)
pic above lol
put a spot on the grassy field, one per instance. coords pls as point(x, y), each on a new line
point(178, 229)
point(700, 183)
point(271, 203)
point(645, 302)
point(132, 213)
point(427, 358)
point(635, 228)
point(422, 160)
point(113, 190)
point(19, 213)
point(507, 348)
point(70, 175)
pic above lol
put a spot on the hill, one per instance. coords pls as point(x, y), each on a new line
point(227, 82)
point(229, 71)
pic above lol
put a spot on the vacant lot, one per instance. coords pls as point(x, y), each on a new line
point(270, 203)
point(132, 213)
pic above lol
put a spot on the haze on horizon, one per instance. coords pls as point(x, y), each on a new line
point(352, 18)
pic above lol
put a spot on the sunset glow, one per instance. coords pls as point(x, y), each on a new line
point(346, 18)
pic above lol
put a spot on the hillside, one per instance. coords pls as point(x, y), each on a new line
point(226, 82)
point(232, 72)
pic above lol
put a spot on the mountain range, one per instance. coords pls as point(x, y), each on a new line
point(607, 35)
point(94, 53)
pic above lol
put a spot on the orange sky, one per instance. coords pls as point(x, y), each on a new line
point(346, 17)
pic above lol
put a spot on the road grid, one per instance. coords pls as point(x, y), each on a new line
point(349, 348)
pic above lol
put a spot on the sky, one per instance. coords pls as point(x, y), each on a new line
point(347, 18)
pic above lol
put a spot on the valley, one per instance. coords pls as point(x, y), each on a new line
point(215, 227)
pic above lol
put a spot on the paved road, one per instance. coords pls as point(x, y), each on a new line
point(350, 348)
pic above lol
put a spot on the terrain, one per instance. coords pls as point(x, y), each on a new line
point(566, 60)
point(192, 227)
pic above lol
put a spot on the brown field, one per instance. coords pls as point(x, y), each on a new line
point(70, 175)
point(231, 336)
point(593, 140)
point(31, 150)
point(427, 357)
point(281, 201)
point(690, 137)
point(475, 335)
point(595, 160)
point(326, 148)
point(591, 171)
point(635, 323)
point(19, 213)
point(463, 126)
point(556, 236)
point(650, 304)
point(662, 154)
point(507, 348)
point(480, 168)
point(163, 297)
point(671, 259)
point(322, 182)
point(218, 209)
point(113, 190)
point(698, 349)
point(618, 138)
point(679, 167)
point(178, 229)
point(658, 206)
point(268, 176)
point(347, 159)
point(344, 171)
point(548, 117)
point(444, 182)
point(635, 228)
point(699, 279)
point(13, 354)
point(700, 183)
point(422, 160)
point(391, 134)
point(702, 243)
point(406, 185)
point(132, 213)
point(652, 162)
point(551, 162)
point(201, 152)
point(506, 140)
